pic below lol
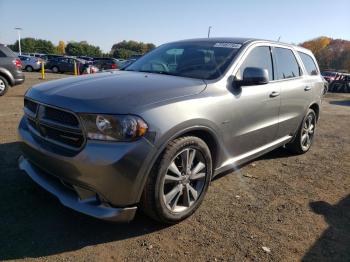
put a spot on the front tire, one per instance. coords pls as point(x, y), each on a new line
point(4, 86)
point(305, 134)
point(178, 181)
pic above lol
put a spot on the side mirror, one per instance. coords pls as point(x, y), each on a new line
point(254, 76)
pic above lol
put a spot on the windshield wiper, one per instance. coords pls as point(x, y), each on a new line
point(158, 72)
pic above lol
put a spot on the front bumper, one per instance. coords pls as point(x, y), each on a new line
point(104, 179)
point(90, 206)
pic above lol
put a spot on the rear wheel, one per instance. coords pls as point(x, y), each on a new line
point(55, 69)
point(29, 69)
point(3, 86)
point(305, 135)
point(178, 181)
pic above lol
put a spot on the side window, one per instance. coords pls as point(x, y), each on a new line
point(259, 57)
point(309, 64)
point(287, 65)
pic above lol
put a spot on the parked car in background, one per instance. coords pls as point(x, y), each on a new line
point(66, 65)
point(106, 63)
point(10, 69)
point(329, 75)
point(137, 56)
point(154, 135)
point(50, 56)
point(341, 84)
point(30, 63)
point(127, 63)
point(86, 58)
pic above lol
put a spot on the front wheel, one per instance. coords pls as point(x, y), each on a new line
point(305, 135)
point(178, 181)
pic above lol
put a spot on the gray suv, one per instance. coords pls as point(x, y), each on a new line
point(153, 135)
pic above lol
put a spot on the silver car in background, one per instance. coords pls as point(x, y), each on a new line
point(30, 63)
point(154, 134)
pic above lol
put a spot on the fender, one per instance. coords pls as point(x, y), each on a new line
point(166, 138)
point(6, 73)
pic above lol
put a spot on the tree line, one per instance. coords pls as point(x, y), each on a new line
point(330, 53)
point(124, 49)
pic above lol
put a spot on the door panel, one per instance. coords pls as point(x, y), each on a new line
point(255, 110)
point(294, 100)
point(254, 117)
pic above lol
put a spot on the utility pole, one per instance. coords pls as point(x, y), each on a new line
point(19, 39)
point(209, 31)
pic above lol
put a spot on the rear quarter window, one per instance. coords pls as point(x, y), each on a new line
point(309, 64)
point(287, 65)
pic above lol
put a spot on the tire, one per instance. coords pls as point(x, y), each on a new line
point(159, 200)
point(305, 134)
point(4, 86)
point(55, 69)
point(29, 69)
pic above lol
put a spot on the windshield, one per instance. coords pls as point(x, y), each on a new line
point(202, 60)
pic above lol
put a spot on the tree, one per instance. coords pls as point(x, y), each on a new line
point(125, 49)
point(82, 48)
point(32, 45)
point(60, 48)
point(330, 53)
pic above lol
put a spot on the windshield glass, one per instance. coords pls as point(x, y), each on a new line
point(202, 60)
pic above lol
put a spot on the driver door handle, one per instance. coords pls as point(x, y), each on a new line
point(307, 88)
point(274, 94)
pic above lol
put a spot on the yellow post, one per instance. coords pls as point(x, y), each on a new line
point(75, 68)
point(42, 69)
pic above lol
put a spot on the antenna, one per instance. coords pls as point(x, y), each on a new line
point(209, 28)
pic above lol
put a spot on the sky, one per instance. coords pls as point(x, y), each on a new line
point(105, 22)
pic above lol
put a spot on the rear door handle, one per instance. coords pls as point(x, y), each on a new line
point(307, 88)
point(274, 94)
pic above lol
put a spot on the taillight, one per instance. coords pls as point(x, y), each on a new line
point(114, 66)
point(17, 63)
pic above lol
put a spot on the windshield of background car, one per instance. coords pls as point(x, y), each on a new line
point(328, 73)
point(202, 60)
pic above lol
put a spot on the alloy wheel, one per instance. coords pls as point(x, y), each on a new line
point(2, 86)
point(308, 132)
point(184, 180)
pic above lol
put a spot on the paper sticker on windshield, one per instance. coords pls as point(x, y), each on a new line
point(228, 45)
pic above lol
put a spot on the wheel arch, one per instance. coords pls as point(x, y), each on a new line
point(7, 75)
point(314, 106)
point(207, 134)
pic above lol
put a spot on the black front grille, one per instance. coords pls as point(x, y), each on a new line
point(60, 116)
point(30, 105)
point(57, 126)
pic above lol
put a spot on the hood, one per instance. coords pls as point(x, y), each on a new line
point(118, 92)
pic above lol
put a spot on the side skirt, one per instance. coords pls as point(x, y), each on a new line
point(234, 162)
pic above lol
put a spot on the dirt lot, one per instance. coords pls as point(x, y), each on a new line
point(296, 206)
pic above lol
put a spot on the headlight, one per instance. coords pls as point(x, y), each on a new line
point(114, 127)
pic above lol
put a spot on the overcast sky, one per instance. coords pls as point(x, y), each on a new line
point(105, 22)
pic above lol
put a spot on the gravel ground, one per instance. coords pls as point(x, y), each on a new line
point(280, 207)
